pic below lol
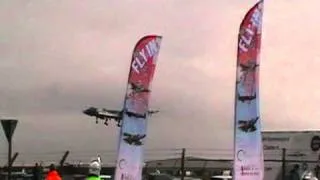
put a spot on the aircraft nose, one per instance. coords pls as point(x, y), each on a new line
point(85, 111)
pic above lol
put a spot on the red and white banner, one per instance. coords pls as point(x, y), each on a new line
point(135, 113)
point(248, 151)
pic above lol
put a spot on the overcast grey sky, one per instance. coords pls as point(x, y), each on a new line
point(59, 57)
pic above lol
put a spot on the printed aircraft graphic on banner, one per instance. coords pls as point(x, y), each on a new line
point(138, 88)
point(245, 98)
point(116, 115)
point(249, 67)
point(248, 125)
point(133, 139)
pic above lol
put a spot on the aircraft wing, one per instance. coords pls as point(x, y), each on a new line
point(111, 111)
point(101, 116)
point(127, 134)
point(153, 111)
point(243, 66)
point(142, 136)
point(133, 85)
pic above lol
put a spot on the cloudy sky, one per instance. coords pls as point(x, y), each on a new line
point(59, 57)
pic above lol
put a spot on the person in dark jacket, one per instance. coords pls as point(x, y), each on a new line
point(294, 173)
point(36, 172)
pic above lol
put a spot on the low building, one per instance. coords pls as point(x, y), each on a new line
point(282, 150)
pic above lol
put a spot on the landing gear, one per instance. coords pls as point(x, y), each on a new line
point(119, 122)
point(106, 122)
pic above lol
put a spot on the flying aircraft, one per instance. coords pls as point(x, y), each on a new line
point(116, 115)
point(134, 139)
point(248, 125)
point(246, 98)
point(104, 114)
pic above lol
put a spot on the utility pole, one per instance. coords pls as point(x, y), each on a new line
point(15, 155)
point(283, 163)
point(63, 159)
point(182, 163)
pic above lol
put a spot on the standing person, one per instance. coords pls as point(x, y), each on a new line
point(294, 173)
point(94, 169)
point(41, 171)
point(36, 172)
point(53, 173)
